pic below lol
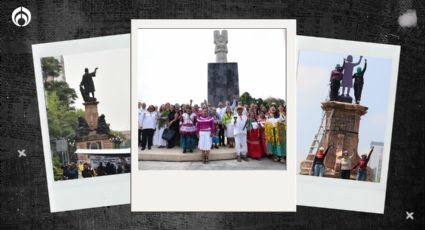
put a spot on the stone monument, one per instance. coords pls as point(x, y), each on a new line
point(223, 79)
point(342, 130)
point(92, 131)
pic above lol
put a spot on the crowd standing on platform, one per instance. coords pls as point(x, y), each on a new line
point(254, 130)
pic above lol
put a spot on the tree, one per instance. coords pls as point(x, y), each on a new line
point(50, 66)
point(246, 98)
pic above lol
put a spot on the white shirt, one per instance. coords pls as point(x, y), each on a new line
point(141, 111)
point(148, 120)
point(346, 164)
point(275, 120)
point(220, 112)
point(239, 126)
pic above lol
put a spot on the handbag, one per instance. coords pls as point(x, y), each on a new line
point(168, 134)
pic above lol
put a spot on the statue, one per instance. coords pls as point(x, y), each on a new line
point(87, 85)
point(83, 128)
point(336, 77)
point(358, 82)
point(347, 80)
point(102, 127)
point(220, 41)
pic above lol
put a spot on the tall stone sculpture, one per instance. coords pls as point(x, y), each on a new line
point(223, 79)
point(93, 131)
point(220, 41)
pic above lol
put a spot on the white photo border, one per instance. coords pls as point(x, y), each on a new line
point(348, 194)
point(89, 192)
point(188, 190)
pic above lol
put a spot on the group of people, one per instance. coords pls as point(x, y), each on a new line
point(84, 169)
point(345, 75)
point(345, 165)
point(253, 130)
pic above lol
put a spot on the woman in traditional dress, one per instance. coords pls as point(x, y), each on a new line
point(188, 130)
point(261, 125)
point(161, 125)
point(204, 131)
point(253, 134)
point(275, 135)
point(228, 126)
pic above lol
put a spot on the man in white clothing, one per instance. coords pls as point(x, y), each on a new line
point(239, 130)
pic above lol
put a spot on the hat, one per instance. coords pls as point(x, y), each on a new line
point(239, 108)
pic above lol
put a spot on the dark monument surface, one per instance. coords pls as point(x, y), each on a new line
point(223, 82)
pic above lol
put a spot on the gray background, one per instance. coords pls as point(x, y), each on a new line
point(23, 191)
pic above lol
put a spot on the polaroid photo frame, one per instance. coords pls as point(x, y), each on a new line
point(215, 190)
point(336, 193)
point(85, 192)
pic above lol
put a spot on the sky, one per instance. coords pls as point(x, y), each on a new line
point(112, 83)
point(173, 63)
point(314, 70)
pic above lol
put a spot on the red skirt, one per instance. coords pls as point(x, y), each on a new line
point(263, 140)
point(254, 145)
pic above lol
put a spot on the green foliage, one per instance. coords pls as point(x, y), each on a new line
point(62, 120)
point(247, 99)
point(50, 67)
point(57, 169)
point(65, 94)
point(123, 142)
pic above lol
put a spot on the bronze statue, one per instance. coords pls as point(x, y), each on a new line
point(87, 85)
point(102, 126)
point(83, 128)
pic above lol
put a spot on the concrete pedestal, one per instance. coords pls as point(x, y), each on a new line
point(341, 130)
point(91, 114)
point(223, 82)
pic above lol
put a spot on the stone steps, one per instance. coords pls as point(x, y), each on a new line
point(175, 154)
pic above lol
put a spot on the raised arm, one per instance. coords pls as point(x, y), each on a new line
point(327, 150)
point(357, 63)
point(370, 153)
point(343, 64)
point(93, 74)
point(232, 107)
point(365, 66)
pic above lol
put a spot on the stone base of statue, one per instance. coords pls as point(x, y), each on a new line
point(346, 99)
point(223, 82)
point(341, 130)
point(93, 140)
point(91, 114)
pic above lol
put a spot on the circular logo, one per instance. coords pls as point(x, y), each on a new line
point(21, 16)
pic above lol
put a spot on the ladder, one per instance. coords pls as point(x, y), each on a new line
point(317, 140)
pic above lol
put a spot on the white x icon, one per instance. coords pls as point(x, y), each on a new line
point(22, 153)
point(409, 215)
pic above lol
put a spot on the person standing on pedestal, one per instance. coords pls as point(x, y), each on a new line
point(148, 127)
point(240, 122)
point(336, 77)
point(362, 164)
point(318, 167)
point(358, 82)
